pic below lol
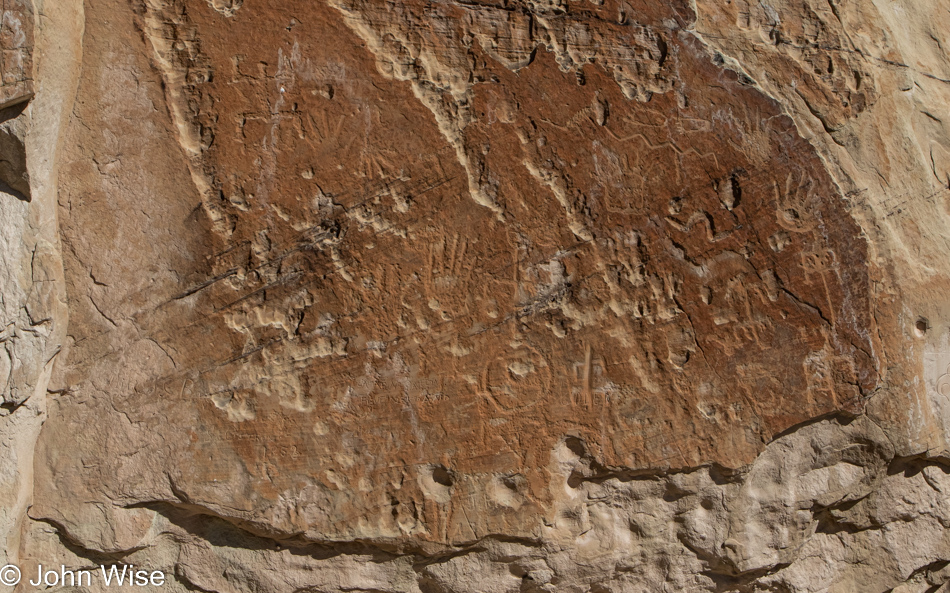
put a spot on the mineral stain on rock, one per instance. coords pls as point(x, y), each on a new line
point(554, 272)
point(465, 296)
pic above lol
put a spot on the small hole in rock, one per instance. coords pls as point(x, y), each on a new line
point(442, 476)
point(576, 446)
point(921, 327)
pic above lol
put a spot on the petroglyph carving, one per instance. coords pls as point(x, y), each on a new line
point(226, 7)
point(795, 203)
point(943, 383)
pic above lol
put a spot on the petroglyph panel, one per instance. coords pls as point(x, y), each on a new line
point(443, 236)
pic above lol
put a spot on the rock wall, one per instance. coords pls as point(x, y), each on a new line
point(451, 296)
point(36, 95)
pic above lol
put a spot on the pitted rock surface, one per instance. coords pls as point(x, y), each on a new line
point(16, 52)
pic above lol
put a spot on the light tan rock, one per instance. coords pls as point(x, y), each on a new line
point(36, 96)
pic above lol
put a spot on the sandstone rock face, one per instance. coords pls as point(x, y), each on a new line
point(559, 295)
point(16, 44)
point(33, 311)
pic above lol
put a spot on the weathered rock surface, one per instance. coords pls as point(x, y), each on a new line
point(478, 296)
point(33, 310)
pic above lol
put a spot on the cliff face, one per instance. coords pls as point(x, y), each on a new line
point(447, 296)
